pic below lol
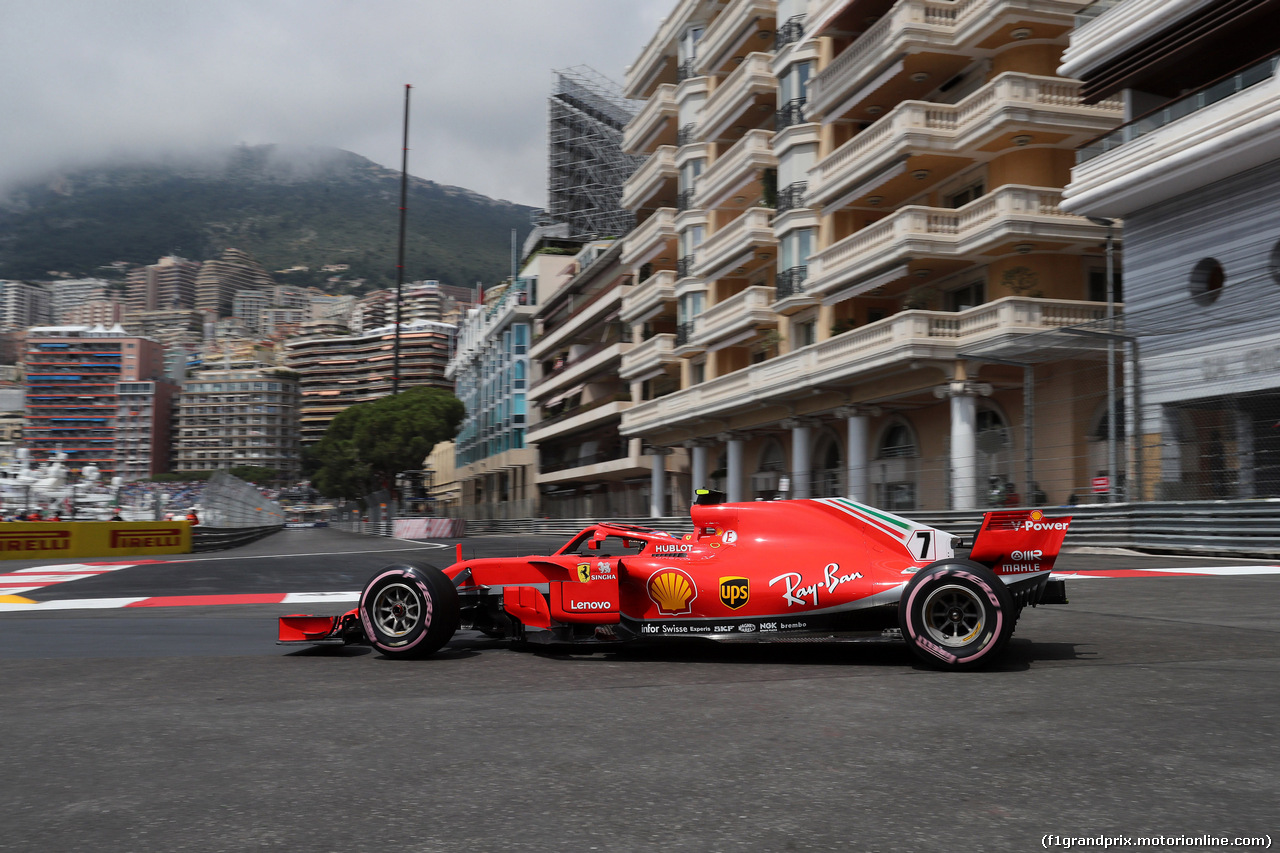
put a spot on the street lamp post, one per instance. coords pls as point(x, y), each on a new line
point(1109, 224)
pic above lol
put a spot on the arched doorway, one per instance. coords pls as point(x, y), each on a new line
point(895, 471)
point(766, 483)
point(1099, 455)
point(995, 470)
point(829, 473)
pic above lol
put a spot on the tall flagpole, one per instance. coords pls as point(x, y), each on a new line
point(404, 202)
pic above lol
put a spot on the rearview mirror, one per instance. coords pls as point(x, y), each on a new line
point(594, 545)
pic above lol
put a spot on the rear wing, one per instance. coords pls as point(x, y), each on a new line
point(1015, 542)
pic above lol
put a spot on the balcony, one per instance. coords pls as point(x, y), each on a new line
point(650, 238)
point(577, 419)
point(649, 68)
point(1219, 131)
point(601, 357)
point(988, 225)
point(789, 33)
point(610, 465)
point(736, 317)
point(735, 26)
point(856, 356)
point(657, 175)
point(998, 115)
point(790, 293)
point(654, 125)
point(789, 114)
point(588, 315)
point(737, 171)
point(793, 196)
point(736, 243)
point(649, 297)
point(752, 83)
point(648, 358)
point(685, 344)
point(924, 36)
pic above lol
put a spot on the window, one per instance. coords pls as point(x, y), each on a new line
point(966, 297)
point(690, 239)
point(794, 85)
point(796, 247)
point(806, 333)
point(689, 173)
point(689, 43)
point(689, 306)
point(970, 193)
point(1207, 280)
point(1098, 286)
point(697, 372)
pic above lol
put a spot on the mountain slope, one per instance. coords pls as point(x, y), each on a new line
point(285, 206)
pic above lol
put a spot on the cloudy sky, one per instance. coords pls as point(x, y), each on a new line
point(85, 80)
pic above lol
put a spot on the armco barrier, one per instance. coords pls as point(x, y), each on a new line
point(429, 528)
point(25, 540)
point(216, 539)
point(1226, 528)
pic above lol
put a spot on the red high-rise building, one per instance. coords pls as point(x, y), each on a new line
point(100, 395)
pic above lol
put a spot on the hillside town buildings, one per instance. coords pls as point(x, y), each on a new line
point(338, 372)
point(243, 416)
point(100, 396)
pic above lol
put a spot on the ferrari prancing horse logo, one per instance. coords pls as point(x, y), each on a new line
point(584, 572)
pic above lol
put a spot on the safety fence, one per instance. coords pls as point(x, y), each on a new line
point(407, 528)
point(1229, 528)
point(229, 502)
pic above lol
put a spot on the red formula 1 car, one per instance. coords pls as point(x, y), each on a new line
point(824, 570)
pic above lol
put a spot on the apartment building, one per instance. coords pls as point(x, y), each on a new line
point(168, 284)
point(23, 304)
point(495, 465)
point(849, 216)
point(100, 396)
point(220, 279)
point(1194, 172)
point(577, 397)
point(243, 415)
point(67, 295)
point(337, 372)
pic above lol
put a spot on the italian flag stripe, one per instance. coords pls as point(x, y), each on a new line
point(887, 519)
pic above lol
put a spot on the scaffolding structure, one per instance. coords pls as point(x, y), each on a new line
point(586, 165)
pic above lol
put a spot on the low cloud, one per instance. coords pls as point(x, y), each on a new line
point(90, 81)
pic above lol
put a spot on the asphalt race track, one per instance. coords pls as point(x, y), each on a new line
point(1146, 707)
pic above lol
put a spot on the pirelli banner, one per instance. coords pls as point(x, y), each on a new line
point(33, 540)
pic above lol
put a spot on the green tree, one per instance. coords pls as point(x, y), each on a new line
point(254, 474)
point(368, 444)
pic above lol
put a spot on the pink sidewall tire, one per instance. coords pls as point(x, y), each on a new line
point(956, 615)
point(409, 611)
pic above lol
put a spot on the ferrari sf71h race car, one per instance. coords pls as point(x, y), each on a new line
point(820, 570)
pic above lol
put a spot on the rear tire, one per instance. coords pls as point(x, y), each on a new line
point(409, 611)
point(956, 615)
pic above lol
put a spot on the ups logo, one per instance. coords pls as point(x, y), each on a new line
point(734, 592)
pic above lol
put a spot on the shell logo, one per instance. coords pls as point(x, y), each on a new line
point(673, 591)
point(1036, 515)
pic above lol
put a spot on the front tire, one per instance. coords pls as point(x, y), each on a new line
point(956, 615)
point(409, 611)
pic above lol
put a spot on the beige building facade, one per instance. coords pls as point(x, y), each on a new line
point(851, 252)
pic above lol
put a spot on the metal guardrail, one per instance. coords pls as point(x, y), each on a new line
point(1222, 528)
point(216, 539)
point(1226, 528)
